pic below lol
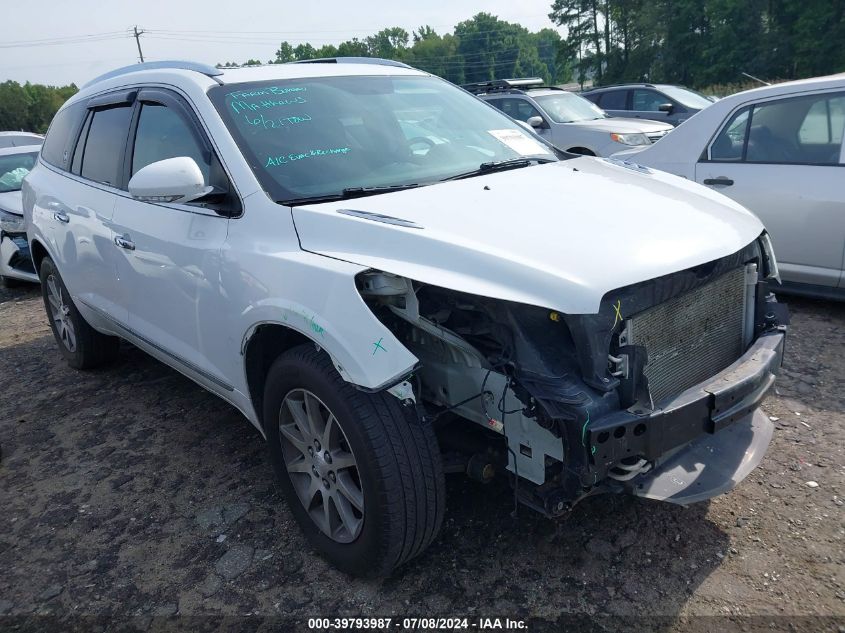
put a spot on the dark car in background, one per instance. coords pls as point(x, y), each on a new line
point(658, 102)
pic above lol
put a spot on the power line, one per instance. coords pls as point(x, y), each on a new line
point(71, 39)
point(459, 57)
point(318, 31)
point(249, 37)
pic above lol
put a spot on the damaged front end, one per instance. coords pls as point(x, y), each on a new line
point(15, 259)
point(655, 394)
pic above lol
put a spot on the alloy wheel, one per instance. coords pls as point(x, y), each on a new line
point(60, 312)
point(321, 465)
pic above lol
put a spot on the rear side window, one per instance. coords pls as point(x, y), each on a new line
point(56, 148)
point(613, 100)
point(102, 158)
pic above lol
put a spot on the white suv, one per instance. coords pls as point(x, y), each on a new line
point(391, 279)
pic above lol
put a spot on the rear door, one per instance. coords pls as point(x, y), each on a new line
point(169, 254)
point(78, 205)
point(783, 159)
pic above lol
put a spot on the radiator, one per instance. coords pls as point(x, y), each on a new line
point(692, 337)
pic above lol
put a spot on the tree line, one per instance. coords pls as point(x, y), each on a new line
point(697, 43)
point(30, 107)
point(479, 49)
point(701, 42)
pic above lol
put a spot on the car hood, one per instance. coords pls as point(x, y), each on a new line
point(624, 126)
point(559, 235)
point(10, 201)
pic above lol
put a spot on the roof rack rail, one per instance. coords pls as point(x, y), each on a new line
point(176, 64)
point(379, 61)
point(503, 85)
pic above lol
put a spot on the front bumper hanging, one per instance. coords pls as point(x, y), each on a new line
point(704, 441)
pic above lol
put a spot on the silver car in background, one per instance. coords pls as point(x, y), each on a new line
point(779, 151)
point(566, 120)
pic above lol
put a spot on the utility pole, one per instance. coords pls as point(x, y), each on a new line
point(138, 42)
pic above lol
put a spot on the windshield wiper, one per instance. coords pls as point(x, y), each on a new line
point(500, 165)
point(358, 192)
point(347, 194)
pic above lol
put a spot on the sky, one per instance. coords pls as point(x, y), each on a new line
point(95, 35)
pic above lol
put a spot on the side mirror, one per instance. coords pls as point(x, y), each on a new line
point(536, 121)
point(176, 179)
point(666, 107)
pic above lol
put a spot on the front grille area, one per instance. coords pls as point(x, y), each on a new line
point(693, 336)
point(656, 136)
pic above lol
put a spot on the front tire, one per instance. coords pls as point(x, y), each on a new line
point(362, 475)
point(80, 344)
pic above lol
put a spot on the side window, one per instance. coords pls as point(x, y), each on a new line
point(56, 146)
point(525, 110)
point(816, 128)
point(519, 109)
point(730, 143)
point(647, 100)
point(496, 103)
point(163, 133)
point(824, 123)
point(614, 100)
point(800, 130)
point(104, 145)
point(505, 105)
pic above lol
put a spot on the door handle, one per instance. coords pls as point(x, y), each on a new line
point(124, 242)
point(61, 216)
point(721, 180)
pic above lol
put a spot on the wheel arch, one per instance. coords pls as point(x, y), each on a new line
point(263, 344)
point(582, 151)
point(38, 252)
point(265, 341)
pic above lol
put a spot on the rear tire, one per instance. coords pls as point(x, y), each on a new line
point(80, 344)
point(389, 457)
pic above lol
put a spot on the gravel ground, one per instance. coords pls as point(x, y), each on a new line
point(130, 494)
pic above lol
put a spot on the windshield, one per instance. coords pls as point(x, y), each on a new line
point(687, 97)
point(567, 107)
point(13, 168)
point(319, 136)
